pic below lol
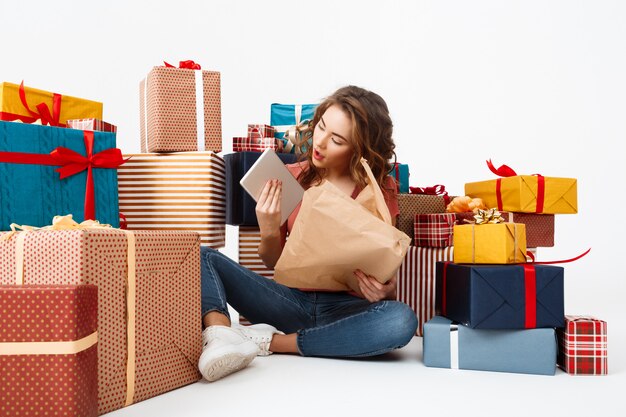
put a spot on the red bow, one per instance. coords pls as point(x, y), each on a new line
point(434, 190)
point(507, 171)
point(43, 113)
point(189, 64)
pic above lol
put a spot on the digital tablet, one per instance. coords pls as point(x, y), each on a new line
point(267, 167)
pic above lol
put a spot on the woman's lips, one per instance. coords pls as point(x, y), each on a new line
point(317, 155)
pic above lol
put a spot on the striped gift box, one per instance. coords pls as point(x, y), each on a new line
point(241, 144)
point(260, 131)
point(416, 281)
point(249, 241)
point(175, 191)
point(91, 124)
point(583, 346)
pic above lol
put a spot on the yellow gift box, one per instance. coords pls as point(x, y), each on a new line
point(51, 108)
point(520, 193)
point(502, 243)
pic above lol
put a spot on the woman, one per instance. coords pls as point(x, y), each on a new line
point(350, 124)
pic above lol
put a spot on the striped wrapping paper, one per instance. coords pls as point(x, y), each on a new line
point(249, 241)
point(91, 124)
point(416, 281)
point(175, 191)
point(583, 346)
point(241, 144)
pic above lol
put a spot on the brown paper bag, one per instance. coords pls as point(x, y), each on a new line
point(333, 235)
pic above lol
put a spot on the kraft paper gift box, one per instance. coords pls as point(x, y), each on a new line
point(539, 227)
point(401, 173)
point(175, 191)
point(91, 124)
point(417, 281)
point(240, 206)
point(32, 192)
point(412, 204)
point(48, 350)
point(502, 243)
point(501, 296)
point(292, 118)
point(163, 325)
point(50, 108)
point(448, 345)
point(583, 346)
point(247, 144)
point(180, 110)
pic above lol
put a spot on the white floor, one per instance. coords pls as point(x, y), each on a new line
point(395, 384)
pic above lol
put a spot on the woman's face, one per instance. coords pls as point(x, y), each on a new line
point(332, 146)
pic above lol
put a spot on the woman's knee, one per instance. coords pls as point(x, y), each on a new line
point(401, 323)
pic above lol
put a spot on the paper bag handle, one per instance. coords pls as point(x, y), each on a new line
point(381, 205)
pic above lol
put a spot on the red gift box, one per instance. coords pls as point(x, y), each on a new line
point(91, 124)
point(256, 144)
point(48, 350)
point(583, 346)
point(260, 131)
point(539, 227)
point(435, 230)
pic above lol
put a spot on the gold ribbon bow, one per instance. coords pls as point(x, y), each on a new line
point(491, 216)
point(295, 136)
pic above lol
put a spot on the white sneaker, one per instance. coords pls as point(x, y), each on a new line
point(260, 334)
point(224, 351)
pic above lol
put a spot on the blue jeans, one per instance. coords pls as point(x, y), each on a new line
point(331, 324)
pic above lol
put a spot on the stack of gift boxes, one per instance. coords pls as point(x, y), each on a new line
point(132, 295)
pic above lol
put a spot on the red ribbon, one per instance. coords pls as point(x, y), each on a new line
point(434, 190)
point(71, 163)
point(530, 288)
point(189, 64)
point(507, 171)
point(43, 113)
point(123, 222)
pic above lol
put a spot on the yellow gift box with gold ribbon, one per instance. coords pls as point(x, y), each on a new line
point(29, 105)
point(490, 240)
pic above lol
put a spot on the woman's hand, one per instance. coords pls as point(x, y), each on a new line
point(373, 290)
point(268, 208)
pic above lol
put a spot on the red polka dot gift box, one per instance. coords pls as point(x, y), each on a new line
point(149, 325)
point(48, 350)
point(180, 110)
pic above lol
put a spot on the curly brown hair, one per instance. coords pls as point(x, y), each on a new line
point(371, 135)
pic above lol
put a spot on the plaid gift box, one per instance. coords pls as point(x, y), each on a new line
point(256, 144)
point(583, 346)
point(260, 131)
point(91, 124)
point(412, 204)
point(434, 230)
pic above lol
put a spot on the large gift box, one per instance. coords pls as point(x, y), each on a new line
point(502, 243)
point(46, 171)
point(412, 204)
point(175, 191)
point(448, 345)
point(249, 241)
point(291, 120)
point(240, 207)
point(31, 105)
point(48, 350)
point(501, 296)
point(416, 281)
point(583, 346)
point(180, 110)
point(149, 325)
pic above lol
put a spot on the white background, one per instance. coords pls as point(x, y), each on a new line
point(538, 85)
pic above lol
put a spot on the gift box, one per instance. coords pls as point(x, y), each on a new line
point(412, 204)
point(583, 346)
point(48, 350)
point(160, 318)
point(175, 191)
point(260, 131)
point(448, 345)
point(248, 144)
point(91, 124)
point(180, 110)
point(292, 118)
point(401, 173)
point(51, 108)
point(249, 241)
point(539, 227)
point(416, 281)
point(435, 230)
point(32, 192)
point(240, 207)
point(502, 243)
point(501, 296)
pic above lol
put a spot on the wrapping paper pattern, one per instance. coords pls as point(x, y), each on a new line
point(91, 124)
point(416, 281)
point(539, 227)
point(249, 241)
point(434, 230)
point(168, 110)
point(168, 326)
point(247, 144)
point(260, 131)
point(412, 204)
point(583, 346)
point(177, 191)
point(57, 384)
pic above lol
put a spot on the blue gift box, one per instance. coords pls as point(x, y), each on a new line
point(284, 116)
point(240, 207)
point(33, 194)
point(401, 171)
point(447, 345)
point(501, 296)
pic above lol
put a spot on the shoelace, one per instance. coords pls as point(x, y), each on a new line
point(263, 342)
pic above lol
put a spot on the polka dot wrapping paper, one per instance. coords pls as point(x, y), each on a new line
point(167, 313)
point(42, 318)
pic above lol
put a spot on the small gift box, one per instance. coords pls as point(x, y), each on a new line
point(248, 144)
point(401, 173)
point(583, 346)
point(290, 122)
point(448, 345)
point(539, 227)
point(260, 131)
point(412, 204)
point(501, 296)
point(435, 230)
point(91, 124)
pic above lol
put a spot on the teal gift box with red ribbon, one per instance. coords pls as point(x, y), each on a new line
point(47, 171)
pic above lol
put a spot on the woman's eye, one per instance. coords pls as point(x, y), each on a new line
point(337, 143)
